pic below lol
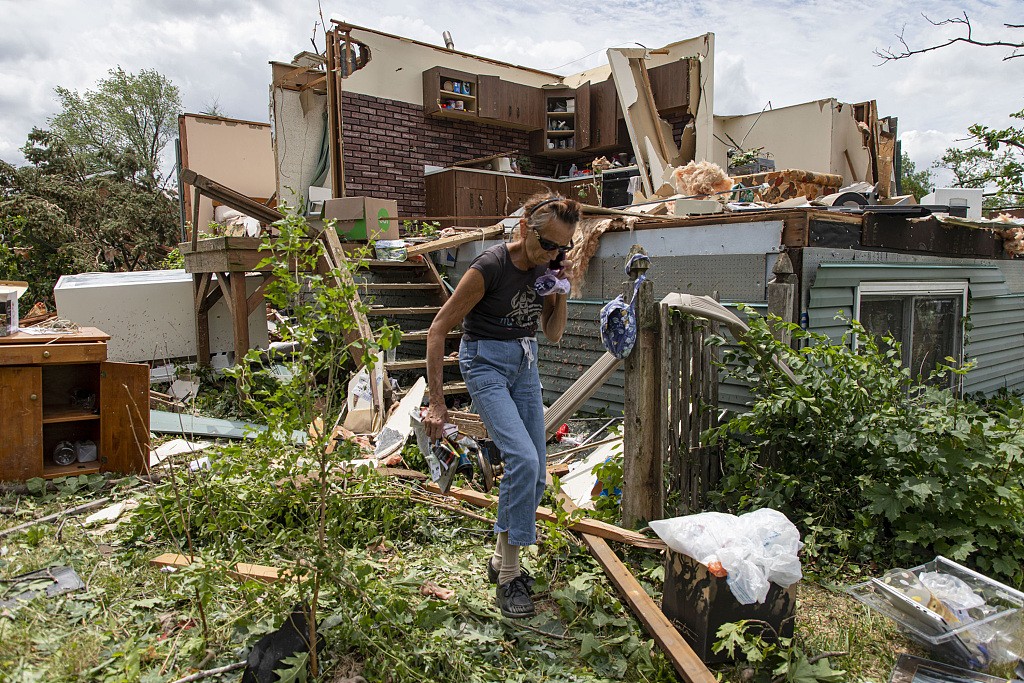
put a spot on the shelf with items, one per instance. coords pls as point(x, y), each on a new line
point(73, 439)
point(67, 414)
point(449, 93)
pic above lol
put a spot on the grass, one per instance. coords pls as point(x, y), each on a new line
point(134, 622)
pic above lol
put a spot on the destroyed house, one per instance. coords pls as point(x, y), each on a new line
point(462, 140)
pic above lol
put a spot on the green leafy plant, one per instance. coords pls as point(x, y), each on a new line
point(873, 465)
point(773, 659)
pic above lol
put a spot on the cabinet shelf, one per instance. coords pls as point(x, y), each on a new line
point(51, 471)
point(67, 414)
point(449, 95)
point(561, 114)
point(559, 133)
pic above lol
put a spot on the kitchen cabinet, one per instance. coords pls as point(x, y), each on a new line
point(62, 389)
point(672, 85)
point(567, 129)
point(449, 93)
point(509, 104)
point(605, 115)
point(467, 193)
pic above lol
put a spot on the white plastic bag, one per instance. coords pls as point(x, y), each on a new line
point(754, 549)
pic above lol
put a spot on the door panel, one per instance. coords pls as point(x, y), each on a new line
point(124, 417)
point(21, 423)
point(582, 122)
point(489, 96)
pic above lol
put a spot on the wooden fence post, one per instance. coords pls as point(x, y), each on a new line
point(643, 494)
point(783, 291)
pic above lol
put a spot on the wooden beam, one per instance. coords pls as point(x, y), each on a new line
point(456, 240)
point(685, 661)
point(254, 299)
point(582, 525)
point(642, 481)
point(239, 315)
point(228, 197)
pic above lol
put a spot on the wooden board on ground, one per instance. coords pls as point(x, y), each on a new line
point(583, 525)
point(686, 662)
point(242, 570)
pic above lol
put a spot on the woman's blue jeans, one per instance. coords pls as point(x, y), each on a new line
point(503, 382)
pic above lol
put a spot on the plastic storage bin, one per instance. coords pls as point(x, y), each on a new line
point(978, 631)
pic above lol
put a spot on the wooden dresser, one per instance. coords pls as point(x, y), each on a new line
point(60, 388)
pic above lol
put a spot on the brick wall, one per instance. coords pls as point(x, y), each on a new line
point(387, 143)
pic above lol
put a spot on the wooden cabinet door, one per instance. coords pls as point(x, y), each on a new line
point(582, 122)
point(124, 417)
point(21, 423)
point(440, 194)
point(530, 101)
point(604, 125)
point(475, 195)
point(670, 84)
point(489, 97)
point(431, 90)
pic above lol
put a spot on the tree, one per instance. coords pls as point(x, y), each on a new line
point(126, 116)
point(56, 218)
point(993, 158)
point(912, 181)
point(1016, 47)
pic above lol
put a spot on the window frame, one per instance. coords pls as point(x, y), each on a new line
point(911, 288)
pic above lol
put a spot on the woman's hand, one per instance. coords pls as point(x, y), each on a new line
point(435, 419)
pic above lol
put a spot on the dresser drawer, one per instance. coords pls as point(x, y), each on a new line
point(43, 354)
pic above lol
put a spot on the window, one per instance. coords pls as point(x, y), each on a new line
point(927, 317)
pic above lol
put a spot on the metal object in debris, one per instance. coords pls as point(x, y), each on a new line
point(61, 580)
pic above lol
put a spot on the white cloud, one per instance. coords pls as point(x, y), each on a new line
point(786, 52)
point(734, 93)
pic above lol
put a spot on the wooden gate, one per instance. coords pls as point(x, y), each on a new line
point(689, 406)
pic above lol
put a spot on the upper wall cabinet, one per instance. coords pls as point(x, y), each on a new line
point(673, 83)
point(513, 105)
point(448, 93)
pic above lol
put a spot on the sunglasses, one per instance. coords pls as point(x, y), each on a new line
point(548, 245)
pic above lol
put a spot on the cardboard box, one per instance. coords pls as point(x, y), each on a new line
point(699, 602)
point(363, 218)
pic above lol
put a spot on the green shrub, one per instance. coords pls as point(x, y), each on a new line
point(874, 466)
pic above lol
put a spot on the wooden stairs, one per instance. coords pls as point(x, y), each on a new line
point(409, 294)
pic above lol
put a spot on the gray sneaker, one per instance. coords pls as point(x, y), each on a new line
point(514, 599)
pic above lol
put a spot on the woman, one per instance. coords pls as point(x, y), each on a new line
point(499, 308)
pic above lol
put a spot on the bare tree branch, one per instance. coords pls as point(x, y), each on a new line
point(904, 51)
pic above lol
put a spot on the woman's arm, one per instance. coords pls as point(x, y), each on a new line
point(468, 294)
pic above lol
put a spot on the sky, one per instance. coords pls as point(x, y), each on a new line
point(782, 53)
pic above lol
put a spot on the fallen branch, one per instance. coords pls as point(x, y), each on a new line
point(210, 672)
point(85, 507)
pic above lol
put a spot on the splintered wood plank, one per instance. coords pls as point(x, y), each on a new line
point(582, 525)
point(397, 365)
point(481, 234)
point(399, 286)
point(242, 570)
point(421, 335)
point(685, 661)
